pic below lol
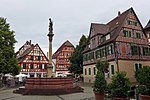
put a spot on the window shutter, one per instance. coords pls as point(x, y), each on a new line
point(136, 67)
point(112, 69)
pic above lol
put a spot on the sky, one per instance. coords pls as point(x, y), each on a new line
point(71, 18)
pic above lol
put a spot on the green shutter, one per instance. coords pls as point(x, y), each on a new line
point(136, 67)
point(112, 69)
point(85, 72)
point(94, 69)
point(140, 66)
point(89, 71)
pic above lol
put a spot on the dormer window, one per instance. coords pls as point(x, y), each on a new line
point(107, 36)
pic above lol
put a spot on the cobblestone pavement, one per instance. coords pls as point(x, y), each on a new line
point(7, 94)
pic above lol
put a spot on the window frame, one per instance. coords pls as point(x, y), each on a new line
point(139, 66)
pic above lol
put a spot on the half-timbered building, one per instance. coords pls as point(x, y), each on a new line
point(32, 60)
point(122, 42)
point(61, 58)
point(147, 31)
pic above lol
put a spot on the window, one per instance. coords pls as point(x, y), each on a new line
point(40, 66)
point(103, 52)
point(86, 57)
point(135, 23)
point(143, 36)
point(107, 36)
point(89, 71)
point(127, 33)
point(45, 66)
point(112, 69)
point(97, 54)
point(24, 66)
point(31, 58)
point(138, 66)
point(31, 66)
point(146, 51)
point(109, 50)
point(129, 22)
point(85, 72)
point(91, 55)
point(61, 66)
point(39, 58)
point(135, 50)
point(138, 35)
point(94, 71)
point(34, 51)
point(132, 22)
point(149, 35)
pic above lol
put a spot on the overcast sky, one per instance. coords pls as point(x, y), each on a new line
point(71, 18)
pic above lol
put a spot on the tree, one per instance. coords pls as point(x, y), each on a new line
point(8, 61)
point(102, 66)
point(76, 58)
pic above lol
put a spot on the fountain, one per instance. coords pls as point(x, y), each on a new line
point(49, 85)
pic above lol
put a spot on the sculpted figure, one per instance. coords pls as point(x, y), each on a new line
point(50, 26)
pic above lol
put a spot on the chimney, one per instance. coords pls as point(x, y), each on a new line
point(119, 13)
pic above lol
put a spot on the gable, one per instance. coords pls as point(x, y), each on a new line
point(92, 31)
point(98, 29)
point(131, 26)
point(35, 54)
point(132, 21)
point(65, 44)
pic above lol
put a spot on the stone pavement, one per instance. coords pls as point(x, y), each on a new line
point(7, 94)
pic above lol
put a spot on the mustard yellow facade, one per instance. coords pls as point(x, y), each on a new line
point(128, 66)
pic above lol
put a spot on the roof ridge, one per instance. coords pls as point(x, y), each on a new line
point(64, 44)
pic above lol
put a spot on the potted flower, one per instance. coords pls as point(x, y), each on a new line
point(99, 86)
point(100, 83)
point(143, 77)
point(120, 86)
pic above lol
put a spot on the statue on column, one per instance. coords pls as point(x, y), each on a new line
point(50, 26)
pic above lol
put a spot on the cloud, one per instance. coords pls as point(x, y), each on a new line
point(72, 18)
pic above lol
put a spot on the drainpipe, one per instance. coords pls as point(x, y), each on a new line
point(116, 56)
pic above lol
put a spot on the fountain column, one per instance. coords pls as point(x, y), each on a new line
point(50, 35)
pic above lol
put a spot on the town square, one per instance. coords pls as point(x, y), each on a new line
point(74, 50)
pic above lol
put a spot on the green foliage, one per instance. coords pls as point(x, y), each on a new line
point(100, 83)
point(120, 85)
point(102, 66)
point(76, 58)
point(8, 61)
point(143, 77)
